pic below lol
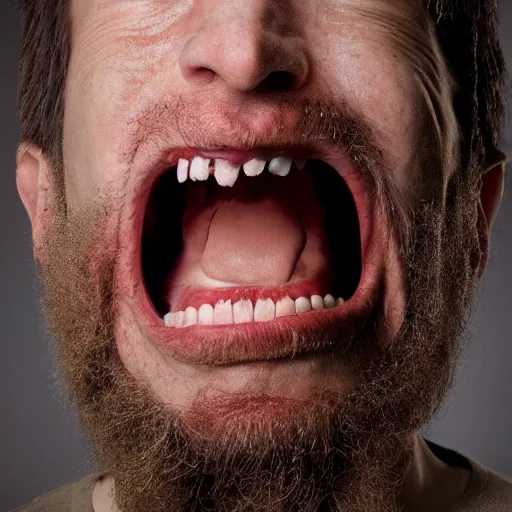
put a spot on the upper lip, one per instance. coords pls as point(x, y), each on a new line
point(249, 342)
point(237, 135)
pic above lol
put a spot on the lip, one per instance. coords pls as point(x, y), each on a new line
point(284, 337)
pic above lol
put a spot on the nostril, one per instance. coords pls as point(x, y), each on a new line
point(258, 61)
point(277, 81)
point(201, 75)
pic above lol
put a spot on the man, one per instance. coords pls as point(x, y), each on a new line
point(259, 226)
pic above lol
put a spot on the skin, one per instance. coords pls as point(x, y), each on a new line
point(128, 54)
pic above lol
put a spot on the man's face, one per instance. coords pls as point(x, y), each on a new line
point(353, 98)
point(151, 83)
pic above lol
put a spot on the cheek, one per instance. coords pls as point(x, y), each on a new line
point(392, 104)
point(94, 129)
point(390, 101)
point(112, 75)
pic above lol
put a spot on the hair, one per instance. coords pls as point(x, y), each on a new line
point(467, 31)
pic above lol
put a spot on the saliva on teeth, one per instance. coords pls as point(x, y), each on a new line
point(244, 311)
point(226, 174)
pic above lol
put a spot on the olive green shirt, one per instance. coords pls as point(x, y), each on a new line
point(486, 491)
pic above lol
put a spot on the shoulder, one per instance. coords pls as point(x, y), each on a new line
point(75, 497)
point(487, 491)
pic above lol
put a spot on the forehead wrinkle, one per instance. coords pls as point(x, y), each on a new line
point(143, 23)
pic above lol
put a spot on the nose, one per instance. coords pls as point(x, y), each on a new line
point(247, 45)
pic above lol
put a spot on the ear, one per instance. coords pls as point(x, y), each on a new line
point(34, 183)
point(491, 194)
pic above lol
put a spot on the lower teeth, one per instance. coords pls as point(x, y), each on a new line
point(243, 311)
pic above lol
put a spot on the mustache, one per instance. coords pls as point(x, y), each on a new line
point(282, 122)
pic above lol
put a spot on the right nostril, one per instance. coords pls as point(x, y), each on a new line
point(202, 75)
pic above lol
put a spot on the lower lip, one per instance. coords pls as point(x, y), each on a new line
point(285, 337)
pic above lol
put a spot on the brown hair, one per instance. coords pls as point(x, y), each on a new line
point(44, 60)
point(467, 31)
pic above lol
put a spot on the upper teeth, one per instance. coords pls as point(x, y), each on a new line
point(280, 166)
point(199, 169)
point(182, 170)
point(226, 173)
point(254, 167)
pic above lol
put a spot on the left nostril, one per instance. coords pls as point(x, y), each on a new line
point(277, 81)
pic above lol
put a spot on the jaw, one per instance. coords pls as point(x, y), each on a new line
point(251, 357)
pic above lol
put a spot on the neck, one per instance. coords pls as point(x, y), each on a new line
point(431, 484)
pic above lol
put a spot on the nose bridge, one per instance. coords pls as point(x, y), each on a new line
point(268, 15)
point(241, 43)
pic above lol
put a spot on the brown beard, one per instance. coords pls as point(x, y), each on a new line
point(347, 453)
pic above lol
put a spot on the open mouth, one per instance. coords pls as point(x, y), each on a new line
point(235, 243)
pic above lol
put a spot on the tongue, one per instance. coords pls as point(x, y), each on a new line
point(255, 242)
point(252, 234)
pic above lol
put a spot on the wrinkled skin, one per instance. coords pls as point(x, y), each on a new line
point(147, 76)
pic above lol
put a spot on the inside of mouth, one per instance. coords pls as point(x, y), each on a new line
point(163, 239)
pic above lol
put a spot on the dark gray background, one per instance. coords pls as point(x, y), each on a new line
point(40, 448)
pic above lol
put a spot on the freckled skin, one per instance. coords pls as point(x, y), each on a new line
point(208, 57)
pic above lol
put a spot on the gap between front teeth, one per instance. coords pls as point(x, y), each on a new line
point(243, 311)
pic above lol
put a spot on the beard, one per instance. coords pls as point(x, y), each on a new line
point(347, 453)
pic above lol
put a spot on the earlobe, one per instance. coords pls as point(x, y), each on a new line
point(491, 194)
point(34, 187)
